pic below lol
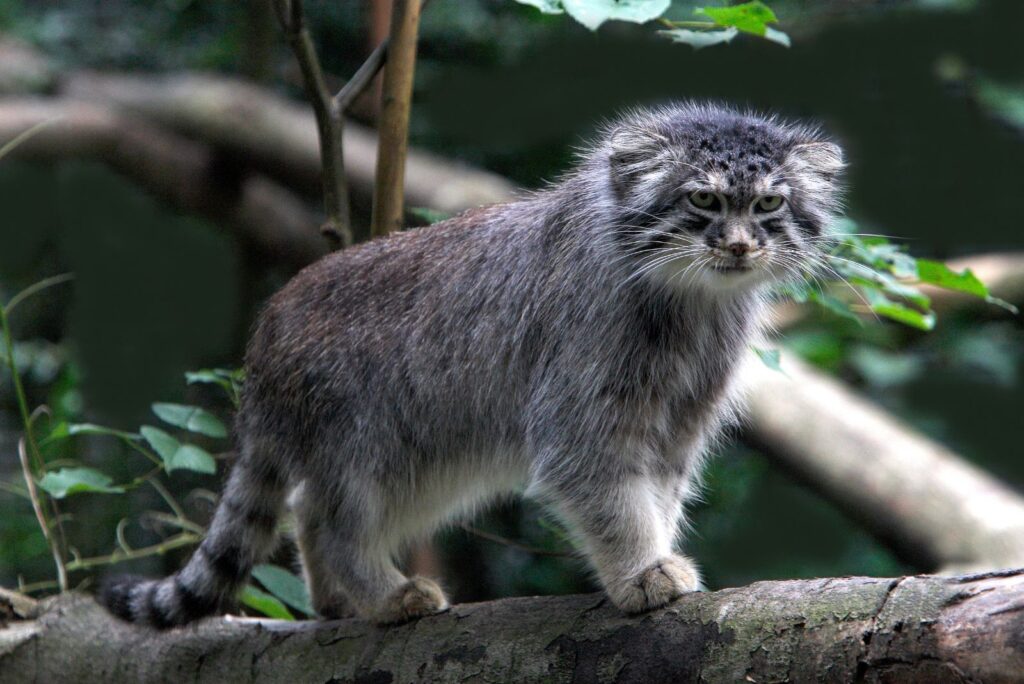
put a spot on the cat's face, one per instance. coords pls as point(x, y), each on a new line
point(719, 200)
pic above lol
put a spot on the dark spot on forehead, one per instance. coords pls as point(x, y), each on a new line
point(740, 148)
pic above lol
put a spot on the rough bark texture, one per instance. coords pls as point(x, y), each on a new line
point(915, 629)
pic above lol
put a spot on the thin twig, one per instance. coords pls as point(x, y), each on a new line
point(363, 77)
point(36, 287)
point(168, 499)
point(44, 524)
point(35, 586)
point(504, 541)
point(177, 541)
point(329, 123)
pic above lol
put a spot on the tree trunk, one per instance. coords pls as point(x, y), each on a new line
point(915, 629)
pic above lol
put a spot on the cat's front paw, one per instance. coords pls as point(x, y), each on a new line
point(415, 599)
point(656, 585)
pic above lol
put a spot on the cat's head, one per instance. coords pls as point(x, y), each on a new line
point(711, 197)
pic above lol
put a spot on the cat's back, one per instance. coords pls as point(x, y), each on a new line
point(370, 293)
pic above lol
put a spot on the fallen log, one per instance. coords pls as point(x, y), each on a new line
point(931, 506)
point(185, 173)
point(914, 629)
point(278, 136)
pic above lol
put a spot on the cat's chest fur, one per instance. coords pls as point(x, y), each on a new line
point(668, 361)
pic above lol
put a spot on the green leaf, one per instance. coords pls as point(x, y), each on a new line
point(593, 13)
point(178, 456)
point(264, 603)
point(190, 418)
point(428, 215)
point(64, 430)
point(210, 377)
point(700, 39)
point(67, 481)
point(749, 17)
point(777, 36)
point(285, 586)
point(937, 273)
point(545, 6)
point(1003, 304)
point(872, 280)
point(883, 306)
point(770, 358)
point(835, 305)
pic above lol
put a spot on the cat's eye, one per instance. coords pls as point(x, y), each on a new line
point(768, 203)
point(705, 200)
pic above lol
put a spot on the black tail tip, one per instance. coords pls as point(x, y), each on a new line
point(116, 595)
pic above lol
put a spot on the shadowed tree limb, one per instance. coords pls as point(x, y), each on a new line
point(931, 506)
point(182, 172)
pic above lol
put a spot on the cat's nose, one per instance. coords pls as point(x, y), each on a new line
point(738, 248)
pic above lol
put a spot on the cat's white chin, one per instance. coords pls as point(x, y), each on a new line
point(703, 277)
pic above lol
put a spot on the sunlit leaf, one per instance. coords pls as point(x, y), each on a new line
point(593, 13)
point(749, 17)
point(211, 377)
point(545, 6)
point(190, 418)
point(67, 481)
point(777, 36)
point(178, 456)
point(264, 603)
point(883, 306)
point(700, 39)
point(285, 586)
point(937, 273)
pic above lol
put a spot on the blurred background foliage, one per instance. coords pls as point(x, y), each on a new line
point(505, 87)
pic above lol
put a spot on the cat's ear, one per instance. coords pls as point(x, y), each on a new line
point(636, 154)
point(823, 158)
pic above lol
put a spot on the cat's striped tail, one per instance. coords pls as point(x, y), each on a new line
point(241, 535)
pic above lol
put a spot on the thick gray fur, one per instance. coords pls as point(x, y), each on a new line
point(580, 344)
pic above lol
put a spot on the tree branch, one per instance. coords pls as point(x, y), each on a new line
point(183, 172)
point(846, 629)
point(329, 120)
point(362, 78)
point(931, 506)
point(396, 103)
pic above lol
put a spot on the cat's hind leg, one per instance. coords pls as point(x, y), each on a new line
point(348, 560)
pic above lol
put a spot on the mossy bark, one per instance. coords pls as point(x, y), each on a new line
point(914, 629)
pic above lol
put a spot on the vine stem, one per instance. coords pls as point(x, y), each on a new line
point(688, 24)
point(177, 541)
point(44, 523)
point(27, 444)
